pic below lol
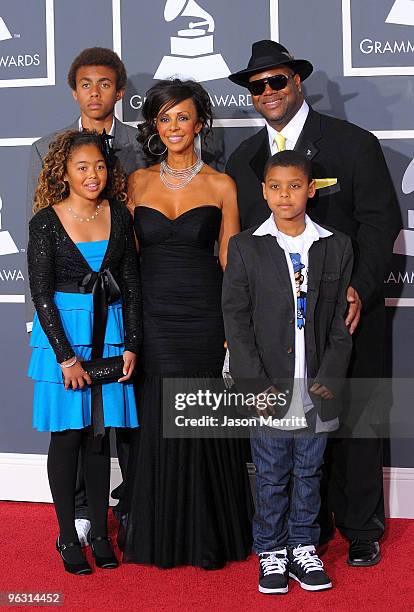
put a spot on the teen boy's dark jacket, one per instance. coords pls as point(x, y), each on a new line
point(54, 259)
point(259, 314)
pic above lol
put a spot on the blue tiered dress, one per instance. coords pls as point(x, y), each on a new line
point(57, 409)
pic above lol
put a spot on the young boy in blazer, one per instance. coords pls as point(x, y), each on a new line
point(284, 304)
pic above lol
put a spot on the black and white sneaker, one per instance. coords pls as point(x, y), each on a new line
point(306, 567)
point(273, 575)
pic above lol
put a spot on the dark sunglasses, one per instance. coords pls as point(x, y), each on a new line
point(276, 82)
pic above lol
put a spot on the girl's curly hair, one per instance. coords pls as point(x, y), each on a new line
point(164, 95)
point(51, 186)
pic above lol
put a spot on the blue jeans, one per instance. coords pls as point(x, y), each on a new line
point(288, 473)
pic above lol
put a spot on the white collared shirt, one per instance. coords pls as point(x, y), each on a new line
point(111, 131)
point(291, 131)
point(301, 402)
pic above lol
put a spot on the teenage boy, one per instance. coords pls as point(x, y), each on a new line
point(97, 78)
point(284, 304)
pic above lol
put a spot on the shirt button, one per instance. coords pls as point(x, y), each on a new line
point(292, 321)
point(290, 350)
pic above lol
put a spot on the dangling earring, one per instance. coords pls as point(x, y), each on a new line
point(149, 148)
point(197, 144)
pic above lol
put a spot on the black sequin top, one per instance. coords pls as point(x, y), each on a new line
point(54, 259)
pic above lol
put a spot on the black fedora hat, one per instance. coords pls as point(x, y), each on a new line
point(268, 54)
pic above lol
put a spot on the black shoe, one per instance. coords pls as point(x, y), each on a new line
point(77, 564)
point(273, 572)
point(306, 568)
point(364, 553)
point(103, 552)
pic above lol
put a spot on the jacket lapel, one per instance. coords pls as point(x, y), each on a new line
point(309, 135)
point(262, 154)
point(120, 135)
point(280, 266)
point(306, 144)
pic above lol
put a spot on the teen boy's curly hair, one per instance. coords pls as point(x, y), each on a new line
point(98, 56)
point(52, 188)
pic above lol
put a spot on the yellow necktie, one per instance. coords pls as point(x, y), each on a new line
point(280, 141)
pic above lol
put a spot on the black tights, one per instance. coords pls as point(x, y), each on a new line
point(62, 463)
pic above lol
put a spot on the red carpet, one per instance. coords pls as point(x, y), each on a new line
point(28, 562)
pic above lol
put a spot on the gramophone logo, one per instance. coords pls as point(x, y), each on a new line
point(404, 245)
point(4, 31)
point(7, 244)
point(380, 42)
point(192, 50)
point(401, 13)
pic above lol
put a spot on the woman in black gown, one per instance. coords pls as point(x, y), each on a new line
point(188, 500)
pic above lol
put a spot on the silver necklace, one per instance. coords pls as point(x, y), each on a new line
point(90, 218)
point(182, 175)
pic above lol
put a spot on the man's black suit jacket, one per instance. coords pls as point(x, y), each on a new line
point(362, 205)
point(259, 315)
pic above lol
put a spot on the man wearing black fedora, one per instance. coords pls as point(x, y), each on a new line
point(355, 195)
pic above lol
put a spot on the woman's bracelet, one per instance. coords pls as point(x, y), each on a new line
point(69, 365)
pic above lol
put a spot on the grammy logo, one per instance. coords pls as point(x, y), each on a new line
point(401, 13)
point(4, 31)
point(404, 245)
point(7, 244)
point(192, 50)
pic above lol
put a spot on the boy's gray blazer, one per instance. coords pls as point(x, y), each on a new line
point(129, 153)
point(259, 315)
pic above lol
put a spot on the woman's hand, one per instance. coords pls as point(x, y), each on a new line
point(130, 360)
point(74, 376)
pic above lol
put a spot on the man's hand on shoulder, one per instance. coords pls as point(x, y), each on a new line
point(354, 309)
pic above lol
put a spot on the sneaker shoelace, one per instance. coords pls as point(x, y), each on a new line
point(307, 558)
point(272, 563)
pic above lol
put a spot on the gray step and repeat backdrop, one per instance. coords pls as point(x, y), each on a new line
point(363, 54)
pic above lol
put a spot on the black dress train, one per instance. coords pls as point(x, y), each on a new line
point(188, 500)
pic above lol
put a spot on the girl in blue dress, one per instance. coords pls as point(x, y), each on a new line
point(84, 283)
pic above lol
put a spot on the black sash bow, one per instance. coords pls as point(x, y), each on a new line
point(105, 290)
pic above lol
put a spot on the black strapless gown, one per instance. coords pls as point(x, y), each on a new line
point(188, 500)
